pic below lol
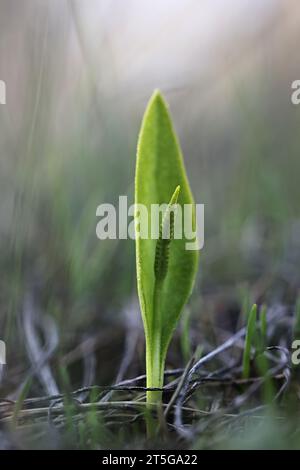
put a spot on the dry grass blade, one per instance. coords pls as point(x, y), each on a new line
point(38, 354)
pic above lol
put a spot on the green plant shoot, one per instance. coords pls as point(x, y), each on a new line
point(250, 333)
point(166, 270)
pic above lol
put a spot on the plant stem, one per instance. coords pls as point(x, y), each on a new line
point(155, 361)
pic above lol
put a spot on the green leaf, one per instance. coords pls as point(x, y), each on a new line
point(161, 179)
point(250, 332)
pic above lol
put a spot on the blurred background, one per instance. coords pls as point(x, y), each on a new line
point(78, 77)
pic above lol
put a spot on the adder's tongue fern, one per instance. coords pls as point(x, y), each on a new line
point(163, 287)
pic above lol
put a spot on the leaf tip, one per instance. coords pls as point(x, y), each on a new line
point(177, 191)
point(157, 99)
point(175, 195)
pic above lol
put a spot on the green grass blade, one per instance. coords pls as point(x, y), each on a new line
point(251, 327)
